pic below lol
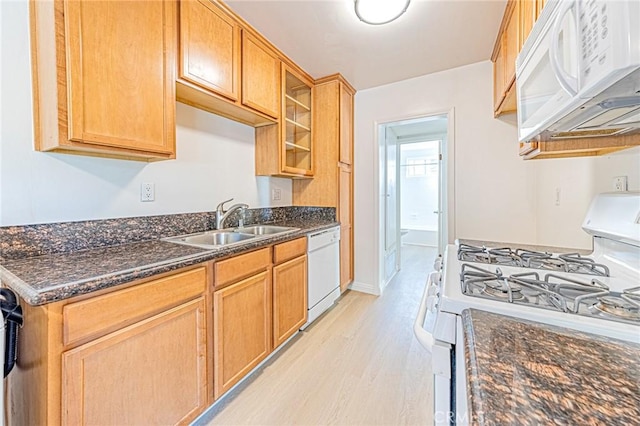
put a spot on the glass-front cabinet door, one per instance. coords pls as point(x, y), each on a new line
point(297, 149)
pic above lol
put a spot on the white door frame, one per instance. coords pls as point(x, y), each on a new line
point(447, 186)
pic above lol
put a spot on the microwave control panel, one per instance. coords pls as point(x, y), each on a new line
point(594, 39)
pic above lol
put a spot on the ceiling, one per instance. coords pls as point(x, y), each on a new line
point(325, 36)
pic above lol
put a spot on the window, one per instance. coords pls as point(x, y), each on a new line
point(416, 167)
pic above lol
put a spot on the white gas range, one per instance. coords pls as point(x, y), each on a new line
point(598, 294)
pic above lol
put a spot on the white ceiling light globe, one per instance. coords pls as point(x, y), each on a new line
point(377, 12)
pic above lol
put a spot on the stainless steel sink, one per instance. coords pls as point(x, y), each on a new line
point(265, 229)
point(211, 239)
point(227, 237)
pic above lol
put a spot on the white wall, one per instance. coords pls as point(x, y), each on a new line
point(215, 158)
point(497, 195)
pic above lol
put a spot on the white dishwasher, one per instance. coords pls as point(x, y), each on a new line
point(323, 276)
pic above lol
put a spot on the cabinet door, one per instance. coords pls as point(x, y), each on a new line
point(511, 46)
point(260, 76)
point(242, 329)
point(345, 215)
point(121, 78)
point(498, 76)
point(528, 14)
point(289, 298)
point(152, 372)
point(346, 125)
point(346, 257)
point(209, 47)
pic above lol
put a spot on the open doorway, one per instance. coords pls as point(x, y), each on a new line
point(412, 188)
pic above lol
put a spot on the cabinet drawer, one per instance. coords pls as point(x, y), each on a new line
point(93, 317)
point(230, 270)
point(289, 250)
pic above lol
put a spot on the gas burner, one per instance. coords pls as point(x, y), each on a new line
point(503, 290)
point(498, 256)
point(583, 265)
point(618, 307)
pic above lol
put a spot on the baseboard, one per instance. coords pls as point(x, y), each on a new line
point(364, 288)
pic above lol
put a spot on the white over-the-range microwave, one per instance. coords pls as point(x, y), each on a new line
point(578, 74)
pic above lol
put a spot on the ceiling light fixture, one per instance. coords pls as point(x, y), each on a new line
point(378, 12)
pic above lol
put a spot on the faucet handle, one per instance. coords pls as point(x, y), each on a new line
point(220, 207)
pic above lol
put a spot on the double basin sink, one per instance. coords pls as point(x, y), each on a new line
point(226, 237)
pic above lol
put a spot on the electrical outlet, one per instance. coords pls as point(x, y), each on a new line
point(276, 194)
point(620, 183)
point(147, 192)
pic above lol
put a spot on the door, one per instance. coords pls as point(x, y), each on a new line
point(392, 206)
point(130, 376)
point(392, 136)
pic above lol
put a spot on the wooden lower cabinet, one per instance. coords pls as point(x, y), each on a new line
point(289, 298)
point(132, 376)
point(241, 329)
point(138, 355)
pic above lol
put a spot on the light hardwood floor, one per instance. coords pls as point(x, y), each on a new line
point(360, 364)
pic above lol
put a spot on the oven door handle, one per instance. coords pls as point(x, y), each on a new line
point(424, 337)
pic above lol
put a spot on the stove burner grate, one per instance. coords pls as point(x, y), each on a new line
point(569, 262)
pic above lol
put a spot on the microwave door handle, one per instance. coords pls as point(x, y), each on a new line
point(567, 81)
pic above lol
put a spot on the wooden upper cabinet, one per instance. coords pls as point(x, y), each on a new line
point(297, 144)
point(114, 93)
point(288, 149)
point(504, 60)
point(517, 22)
point(209, 48)
point(260, 76)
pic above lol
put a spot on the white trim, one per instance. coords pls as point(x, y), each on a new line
point(364, 288)
point(447, 234)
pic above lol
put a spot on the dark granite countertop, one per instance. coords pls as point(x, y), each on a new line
point(533, 247)
point(52, 277)
point(527, 373)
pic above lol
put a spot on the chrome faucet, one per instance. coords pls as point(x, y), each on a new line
point(222, 215)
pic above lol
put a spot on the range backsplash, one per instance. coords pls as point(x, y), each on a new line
point(34, 240)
